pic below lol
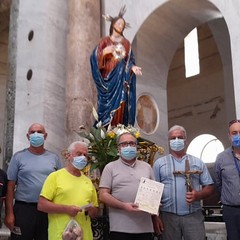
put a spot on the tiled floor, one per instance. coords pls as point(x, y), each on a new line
point(4, 233)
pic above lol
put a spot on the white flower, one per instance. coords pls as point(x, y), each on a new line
point(109, 128)
point(121, 131)
point(91, 136)
point(102, 134)
point(99, 124)
point(94, 112)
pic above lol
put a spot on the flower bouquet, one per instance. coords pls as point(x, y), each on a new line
point(102, 143)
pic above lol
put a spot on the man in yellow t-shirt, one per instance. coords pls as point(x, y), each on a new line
point(66, 193)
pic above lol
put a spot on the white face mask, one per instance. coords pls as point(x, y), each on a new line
point(177, 144)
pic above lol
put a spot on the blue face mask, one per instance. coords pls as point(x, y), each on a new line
point(128, 153)
point(36, 139)
point(79, 162)
point(236, 141)
point(177, 144)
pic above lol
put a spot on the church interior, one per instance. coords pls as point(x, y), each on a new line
point(45, 77)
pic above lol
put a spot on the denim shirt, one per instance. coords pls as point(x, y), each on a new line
point(174, 193)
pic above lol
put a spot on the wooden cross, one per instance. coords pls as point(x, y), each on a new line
point(187, 173)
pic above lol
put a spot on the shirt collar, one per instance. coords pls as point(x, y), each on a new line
point(179, 159)
point(128, 164)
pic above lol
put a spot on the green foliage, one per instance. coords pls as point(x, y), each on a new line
point(102, 147)
point(102, 143)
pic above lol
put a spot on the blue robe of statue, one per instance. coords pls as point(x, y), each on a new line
point(119, 86)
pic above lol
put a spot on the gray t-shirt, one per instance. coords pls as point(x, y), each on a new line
point(123, 182)
point(29, 171)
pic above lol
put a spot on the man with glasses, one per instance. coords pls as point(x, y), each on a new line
point(227, 179)
point(186, 182)
point(118, 188)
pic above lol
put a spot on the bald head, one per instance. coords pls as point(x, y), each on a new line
point(36, 127)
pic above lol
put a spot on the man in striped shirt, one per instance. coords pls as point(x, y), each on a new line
point(181, 212)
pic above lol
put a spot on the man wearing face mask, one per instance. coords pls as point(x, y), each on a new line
point(181, 212)
point(118, 188)
point(68, 193)
point(26, 173)
point(227, 179)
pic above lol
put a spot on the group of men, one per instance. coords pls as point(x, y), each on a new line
point(42, 196)
point(180, 214)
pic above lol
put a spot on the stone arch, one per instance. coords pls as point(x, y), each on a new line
point(157, 33)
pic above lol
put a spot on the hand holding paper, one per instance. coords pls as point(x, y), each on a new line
point(149, 195)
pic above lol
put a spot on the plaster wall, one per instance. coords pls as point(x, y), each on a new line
point(58, 93)
point(157, 29)
point(198, 102)
point(160, 29)
point(41, 98)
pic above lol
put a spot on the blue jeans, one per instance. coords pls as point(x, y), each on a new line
point(187, 227)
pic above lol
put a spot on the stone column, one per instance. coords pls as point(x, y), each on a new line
point(84, 34)
point(10, 84)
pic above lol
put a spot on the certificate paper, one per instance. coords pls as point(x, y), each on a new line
point(149, 195)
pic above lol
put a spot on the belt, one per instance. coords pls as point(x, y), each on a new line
point(233, 206)
point(26, 203)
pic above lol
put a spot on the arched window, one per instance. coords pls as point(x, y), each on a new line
point(206, 147)
point(191, 54)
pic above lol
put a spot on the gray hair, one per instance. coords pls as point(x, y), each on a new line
point(177, 127)
point(120, 135)
point(72, 145)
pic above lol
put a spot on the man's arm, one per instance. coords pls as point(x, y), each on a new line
point(157, 224)
point(47, 206)
point(9, 215)
point(106, 197)
point(199, 195)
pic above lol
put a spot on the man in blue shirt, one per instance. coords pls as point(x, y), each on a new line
point(180, 212)
point(227, 179)
point(26, 173)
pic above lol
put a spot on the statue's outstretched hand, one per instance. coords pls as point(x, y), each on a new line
point(137, 70)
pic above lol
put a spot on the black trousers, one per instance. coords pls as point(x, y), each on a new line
point(130, 236)
point(231, 216)
point(33, 224)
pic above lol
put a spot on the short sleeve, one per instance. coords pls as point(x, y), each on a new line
point(49, 187)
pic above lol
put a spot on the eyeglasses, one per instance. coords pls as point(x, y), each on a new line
point(179, 137)
point(125, 144)
point(232, 122)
